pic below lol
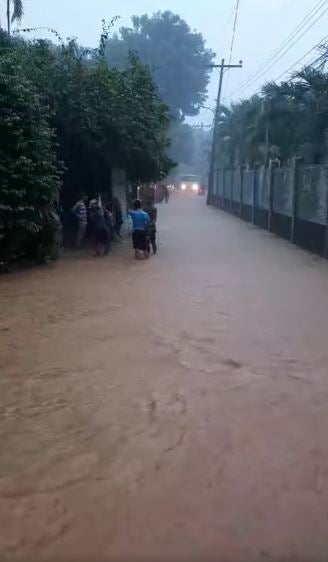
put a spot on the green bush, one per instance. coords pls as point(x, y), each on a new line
point(29, 174)
point(64, 104)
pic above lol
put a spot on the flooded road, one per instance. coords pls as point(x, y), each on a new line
point(174, 409)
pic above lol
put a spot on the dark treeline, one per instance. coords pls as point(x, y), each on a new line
point(66, 120)
point(284, 120)
point(176, 56)
point(69, 115)
point(179, 62)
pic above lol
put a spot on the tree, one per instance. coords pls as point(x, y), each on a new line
point(58, 99)
point(240, 132)
point(284, 120)
point(28, 165)
point(176, 56)
point(15, 11)
point(103, 117)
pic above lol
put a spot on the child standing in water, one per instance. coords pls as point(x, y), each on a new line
point(140, 223)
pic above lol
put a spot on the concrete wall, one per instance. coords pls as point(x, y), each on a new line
point(290, 201)
point(119, 186)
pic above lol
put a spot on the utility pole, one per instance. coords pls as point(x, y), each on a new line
point(222, 68)
point(8, 17)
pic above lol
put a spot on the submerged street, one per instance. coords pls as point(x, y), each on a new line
point(174, 409)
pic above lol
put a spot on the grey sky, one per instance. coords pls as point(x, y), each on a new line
point(263, 25)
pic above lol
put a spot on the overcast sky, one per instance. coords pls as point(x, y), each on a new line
point(262, 27)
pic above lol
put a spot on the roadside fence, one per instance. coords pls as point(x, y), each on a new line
point(290, 201)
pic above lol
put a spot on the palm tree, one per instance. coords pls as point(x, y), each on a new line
point(241, 132)
point(286, 119)
point(15, 11)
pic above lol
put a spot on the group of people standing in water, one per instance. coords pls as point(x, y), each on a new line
point(103, 223)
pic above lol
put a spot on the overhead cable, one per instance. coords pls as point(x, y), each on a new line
point(288, 44)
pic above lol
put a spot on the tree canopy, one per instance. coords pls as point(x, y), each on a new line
point(63, 108)
point(29, 169)
point(176, 56)
point(14, 12)
point(283, 120)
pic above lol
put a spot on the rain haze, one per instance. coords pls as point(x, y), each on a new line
point(262, 27)
point(164, 280)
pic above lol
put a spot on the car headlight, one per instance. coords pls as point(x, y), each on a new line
point(183, 186)
point(195, 186)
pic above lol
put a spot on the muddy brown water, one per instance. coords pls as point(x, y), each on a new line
point(174, 409)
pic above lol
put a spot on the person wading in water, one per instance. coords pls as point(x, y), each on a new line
point(99, 219)
point(140, 224)
point(151, 211)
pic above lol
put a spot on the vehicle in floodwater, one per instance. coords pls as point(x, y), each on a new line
point(191, 183)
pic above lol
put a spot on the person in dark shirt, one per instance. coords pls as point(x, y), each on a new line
point(166, 193)
point(110, 220)
point(118, 216)
point(99, 219)
point(81, 216)
point(151, 211)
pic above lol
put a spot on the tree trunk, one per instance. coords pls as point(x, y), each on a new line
point(8, 16)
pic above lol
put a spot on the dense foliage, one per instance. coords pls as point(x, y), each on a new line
point(28, 169)
point(286, 119)
point(180, 65)
point(177, 58)
point(65, 104)
point(14, 12)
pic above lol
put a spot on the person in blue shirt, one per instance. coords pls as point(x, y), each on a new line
point(140, 224)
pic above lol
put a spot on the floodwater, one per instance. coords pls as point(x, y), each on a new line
point(174, 409)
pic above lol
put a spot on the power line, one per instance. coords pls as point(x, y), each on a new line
point(302, 58)
point(309, 65)
point(232, 41)
point(229, 18)
point(225, 26)
point(293, 34)
point(234, 30)
point(284, 52)
point(287, 45)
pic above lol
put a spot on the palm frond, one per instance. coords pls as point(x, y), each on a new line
point(18, 10)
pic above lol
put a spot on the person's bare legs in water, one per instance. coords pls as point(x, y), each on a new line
point(140, 221)
point(139, 253)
